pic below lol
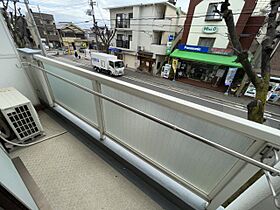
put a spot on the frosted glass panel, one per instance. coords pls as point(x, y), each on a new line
point(196, 163)
point(73, 98)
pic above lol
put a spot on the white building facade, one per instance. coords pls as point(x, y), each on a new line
point(207, 28)
point(143, 32)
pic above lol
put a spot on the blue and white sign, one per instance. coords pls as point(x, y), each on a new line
point(170, 38)
point(230, 76)
point(193, 48)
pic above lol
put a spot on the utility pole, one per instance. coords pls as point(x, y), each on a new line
point(35, 30)
point(91, 3)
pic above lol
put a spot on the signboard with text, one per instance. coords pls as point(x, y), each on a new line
point(230, 76)
point(169, 44)
point(210, 29)
point(221, 51)
point(193, 48)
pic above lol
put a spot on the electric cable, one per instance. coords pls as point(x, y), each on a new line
point(32, 143)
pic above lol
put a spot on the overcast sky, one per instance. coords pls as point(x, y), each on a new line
point(74, 11)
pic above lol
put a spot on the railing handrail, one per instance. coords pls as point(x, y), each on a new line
point(171, 126)
point(253, 130)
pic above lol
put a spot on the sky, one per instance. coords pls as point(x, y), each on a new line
point(75, 11)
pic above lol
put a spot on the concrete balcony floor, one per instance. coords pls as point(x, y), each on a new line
point(72, 172)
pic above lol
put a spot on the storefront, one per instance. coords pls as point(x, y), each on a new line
point(146, 61)
point(207, 70)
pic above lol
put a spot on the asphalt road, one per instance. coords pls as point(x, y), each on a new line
point(227, 106)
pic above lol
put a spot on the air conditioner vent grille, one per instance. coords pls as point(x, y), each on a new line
point(23, 121)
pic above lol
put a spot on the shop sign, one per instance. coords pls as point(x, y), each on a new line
point(169, 44)
point(230, 76)
point(221, 51)
point(193, 48)
point(210, 29)
point(220, 73)
point(165, 71)
point(174, 64)
point(170, 38)
point(113, 49)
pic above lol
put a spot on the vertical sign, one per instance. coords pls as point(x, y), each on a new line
point(230, 76)
point(169, 44)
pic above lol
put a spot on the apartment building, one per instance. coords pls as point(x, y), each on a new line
point(47, 29)
point(143, 31)
point(205, 56)
point(205, 27)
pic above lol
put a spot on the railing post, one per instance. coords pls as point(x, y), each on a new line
point(99, 110)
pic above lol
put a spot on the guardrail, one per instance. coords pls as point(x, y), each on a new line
point(201, 148)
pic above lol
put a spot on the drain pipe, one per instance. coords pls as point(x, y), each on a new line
point(174, 187)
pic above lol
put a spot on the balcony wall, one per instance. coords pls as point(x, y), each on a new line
point(153, 25)
point(211, 174)
point(123, 44)
point(12, 73)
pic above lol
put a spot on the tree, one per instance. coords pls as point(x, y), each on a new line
point(255, 108)
point(16, 23)
point(106, 35)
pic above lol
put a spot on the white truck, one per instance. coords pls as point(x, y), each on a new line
point(107, 63)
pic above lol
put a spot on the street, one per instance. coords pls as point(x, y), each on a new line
point(212, 99)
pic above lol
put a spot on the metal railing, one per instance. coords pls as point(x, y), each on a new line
point(122, 44)
point(259, 134)
point(125, 23)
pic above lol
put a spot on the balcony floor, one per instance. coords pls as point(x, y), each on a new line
point(74, 173)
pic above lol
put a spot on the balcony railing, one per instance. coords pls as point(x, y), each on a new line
point(122, 44)
point(209, 152)
point(123, 23)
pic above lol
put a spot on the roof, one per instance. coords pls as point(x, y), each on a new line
point(136, 3)
point(207, 58)
point(71, 26)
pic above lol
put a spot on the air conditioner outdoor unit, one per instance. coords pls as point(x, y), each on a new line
point(19, 114)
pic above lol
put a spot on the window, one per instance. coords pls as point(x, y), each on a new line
point(129, 37)
point(157, 36)
point(123, 20)
point(206, 42)
point(119, 36)
point(119, 20)
point(211, 14)
point(111, 63)
point(119, 64)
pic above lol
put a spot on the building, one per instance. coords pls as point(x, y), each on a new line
point(47, 29)
point(143, 32)
point(132, 149)
point(71, 33)
point(205, 54)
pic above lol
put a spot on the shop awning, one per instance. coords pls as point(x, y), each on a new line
point(206, 58)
